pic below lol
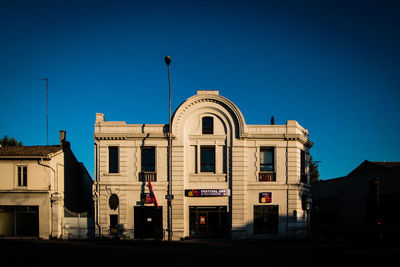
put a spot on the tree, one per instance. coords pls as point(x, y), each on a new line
point(6, 141)
point(314, 172)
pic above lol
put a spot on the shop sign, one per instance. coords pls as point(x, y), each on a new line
point(265, 197)
point(147, 198)
point(207, 192)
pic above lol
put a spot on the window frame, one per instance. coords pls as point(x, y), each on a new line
point(267, 174)
point(203, 166)
point(303, 167)
point(205, 128)
point(111, 165)
point(22, 176)
point(263, 149)
point(145, 175)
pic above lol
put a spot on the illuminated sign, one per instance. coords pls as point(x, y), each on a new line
point(147, 198)
point(265, 197)
point(207, 192)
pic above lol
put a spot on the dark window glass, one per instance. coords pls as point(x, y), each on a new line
point(207, 157)
point(148, 159)
point(303, 175)
point(266, 219)
point(267, 159)
point(113, 165)
point(208, 125)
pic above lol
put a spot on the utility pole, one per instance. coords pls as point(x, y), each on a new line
point(47, 111)
point(169, 196)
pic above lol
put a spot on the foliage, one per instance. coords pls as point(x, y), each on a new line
point(314, 172)
point(6, 141)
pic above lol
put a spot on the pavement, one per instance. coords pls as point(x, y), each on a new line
point(200, 252)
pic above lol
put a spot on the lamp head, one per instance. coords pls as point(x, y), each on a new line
point(167, 60)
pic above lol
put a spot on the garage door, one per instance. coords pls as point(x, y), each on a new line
point(19, 221)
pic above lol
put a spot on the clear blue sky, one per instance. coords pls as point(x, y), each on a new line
point(331, 65)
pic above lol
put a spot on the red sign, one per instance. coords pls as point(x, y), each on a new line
point(265, 197)
point(202, 219)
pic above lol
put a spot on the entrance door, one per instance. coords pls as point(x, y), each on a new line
point(148, 222)
point(208, 222)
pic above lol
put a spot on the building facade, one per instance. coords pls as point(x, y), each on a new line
point(37, 185)
point(229, 179)
point(361, 204)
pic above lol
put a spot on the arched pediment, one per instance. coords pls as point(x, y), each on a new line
point(223, 104)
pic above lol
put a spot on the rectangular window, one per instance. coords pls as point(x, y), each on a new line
point(303, 174)
point(208, 125)
point(267, 159)
point(148, 166)
point(266, 219)
point(113, 159)
point(207, 159)
point(22, 175)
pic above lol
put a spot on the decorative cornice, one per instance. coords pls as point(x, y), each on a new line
point(210, 98)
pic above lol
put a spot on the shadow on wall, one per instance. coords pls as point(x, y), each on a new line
point(77, 182)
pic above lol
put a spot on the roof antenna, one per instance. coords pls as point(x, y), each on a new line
point(47, 111)
point(272, 120)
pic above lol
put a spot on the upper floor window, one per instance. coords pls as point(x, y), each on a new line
point(208, 125)
point(267, 159)
point(113, 159)
point(207, 159)
point(148, 166)
point(303, 173)
point(267, 165)
point(148, 159)
point(22, 175)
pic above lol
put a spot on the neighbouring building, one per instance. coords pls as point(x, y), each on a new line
point(229, 179)
point(38, 186)
point(361, 204)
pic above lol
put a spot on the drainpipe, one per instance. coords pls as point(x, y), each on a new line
point(51, 200)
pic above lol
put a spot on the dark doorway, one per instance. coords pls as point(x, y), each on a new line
point(113, 224)
point(148, 222)
point(208, 222)
point(19, 221)
point(266, 219)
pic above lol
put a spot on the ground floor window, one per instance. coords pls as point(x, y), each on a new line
point(266, 218)
point(19, 221)
point(208, 222)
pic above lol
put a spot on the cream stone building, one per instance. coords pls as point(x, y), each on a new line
point(37, 185)
point(229, 179)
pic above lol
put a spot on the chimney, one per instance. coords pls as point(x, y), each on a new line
point(63, 136)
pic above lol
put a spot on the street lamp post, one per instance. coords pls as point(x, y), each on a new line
point(167, 60)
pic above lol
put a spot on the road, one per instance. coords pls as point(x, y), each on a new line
point(199, 253)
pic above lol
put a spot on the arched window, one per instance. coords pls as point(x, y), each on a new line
point(208, 125)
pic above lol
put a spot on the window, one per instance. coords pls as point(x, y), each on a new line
point(113, 159)
point(208, 125)
point(207, 159)
point(267, 159)
point(303, 174)
point(148, 158)
point(22, 175)
point(267, 168)
point(266, 219)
